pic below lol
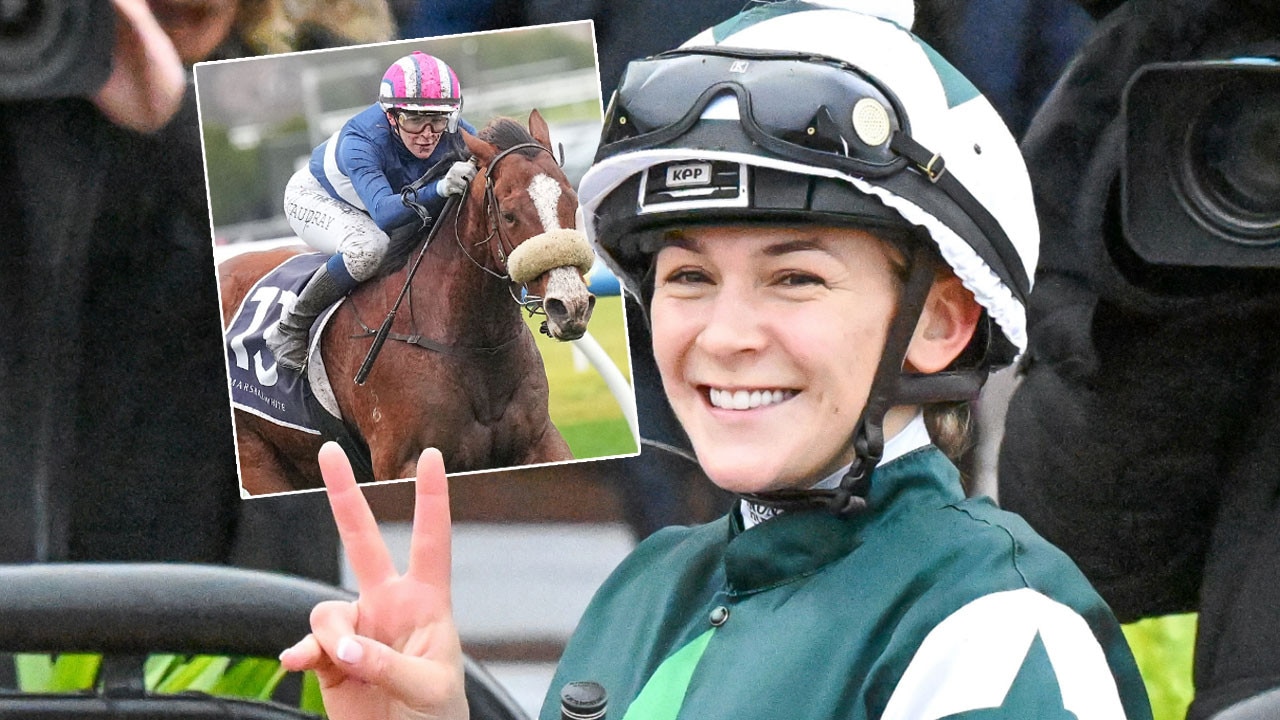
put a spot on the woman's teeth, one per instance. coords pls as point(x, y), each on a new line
point(747, 399)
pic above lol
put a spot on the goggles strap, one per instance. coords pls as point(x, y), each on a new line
point(927, 162)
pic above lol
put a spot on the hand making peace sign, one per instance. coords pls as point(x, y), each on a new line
point(394, 651)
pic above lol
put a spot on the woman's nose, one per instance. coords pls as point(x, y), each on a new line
point(731, 324)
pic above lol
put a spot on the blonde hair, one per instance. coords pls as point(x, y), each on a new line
point(950, 426)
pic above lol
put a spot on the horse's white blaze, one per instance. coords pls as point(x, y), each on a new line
point(545, 194)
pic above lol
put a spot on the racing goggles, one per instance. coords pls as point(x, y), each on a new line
point(803, 107)
point(415, 122)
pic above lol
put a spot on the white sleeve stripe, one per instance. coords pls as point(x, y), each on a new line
point(970, 659)
point(340, 182)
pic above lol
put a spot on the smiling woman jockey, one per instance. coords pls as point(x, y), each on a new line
point(348, 200)
point(832, 234)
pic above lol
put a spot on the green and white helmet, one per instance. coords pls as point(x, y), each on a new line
point(834, 113)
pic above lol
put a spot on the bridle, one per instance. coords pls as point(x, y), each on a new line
point(492, 211)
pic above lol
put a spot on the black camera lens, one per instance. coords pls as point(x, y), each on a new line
point(1230, 169)
point(1200, 179)
point(19, 18)
point(54, 48)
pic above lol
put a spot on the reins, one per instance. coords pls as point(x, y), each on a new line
point(384, 332)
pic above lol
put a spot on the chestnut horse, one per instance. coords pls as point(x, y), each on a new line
point(474, 386)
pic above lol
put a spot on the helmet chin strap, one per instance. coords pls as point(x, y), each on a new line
point(891, 386)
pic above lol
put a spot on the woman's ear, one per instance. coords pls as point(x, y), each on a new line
point(947, 323)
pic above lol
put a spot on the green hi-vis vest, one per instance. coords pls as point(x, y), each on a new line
point(927, 606)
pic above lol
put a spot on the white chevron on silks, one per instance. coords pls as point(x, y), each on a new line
point(969, 661)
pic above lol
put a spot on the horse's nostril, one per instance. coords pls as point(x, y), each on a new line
point(555, 308)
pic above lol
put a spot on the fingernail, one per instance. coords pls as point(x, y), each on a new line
point(350, 651)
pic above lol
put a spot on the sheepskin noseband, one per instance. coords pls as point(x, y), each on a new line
point(551, 249)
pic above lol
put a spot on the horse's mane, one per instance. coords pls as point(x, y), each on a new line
point(506, 133)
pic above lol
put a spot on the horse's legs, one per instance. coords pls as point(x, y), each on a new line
point(261, 470)
point(551, 447)
point(394, 466)
point(392, 460)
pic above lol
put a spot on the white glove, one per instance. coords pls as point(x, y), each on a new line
point(455, 181)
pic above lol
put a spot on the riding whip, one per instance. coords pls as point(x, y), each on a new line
point(385, 330)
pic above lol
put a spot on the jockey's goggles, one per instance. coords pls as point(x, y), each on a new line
point(803, 108)
point(415, 122)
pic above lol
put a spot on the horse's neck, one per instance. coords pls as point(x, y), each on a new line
point(457, 297)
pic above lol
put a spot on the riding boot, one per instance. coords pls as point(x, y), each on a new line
point(287, 339)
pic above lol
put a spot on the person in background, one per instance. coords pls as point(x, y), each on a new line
point(115, 434)
point(1144, 438)
point(1014, 50)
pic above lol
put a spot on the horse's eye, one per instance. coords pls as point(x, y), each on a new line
point(509, 218)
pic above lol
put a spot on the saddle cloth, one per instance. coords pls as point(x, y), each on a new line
point(258, 384)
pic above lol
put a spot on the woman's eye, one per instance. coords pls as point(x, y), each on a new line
point(800, 279)
point(688, 276)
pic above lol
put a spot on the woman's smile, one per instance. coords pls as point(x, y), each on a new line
point(728, 399)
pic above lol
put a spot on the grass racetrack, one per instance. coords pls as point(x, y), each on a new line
point(582, 407)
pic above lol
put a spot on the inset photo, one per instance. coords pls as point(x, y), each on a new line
point(399, 261)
